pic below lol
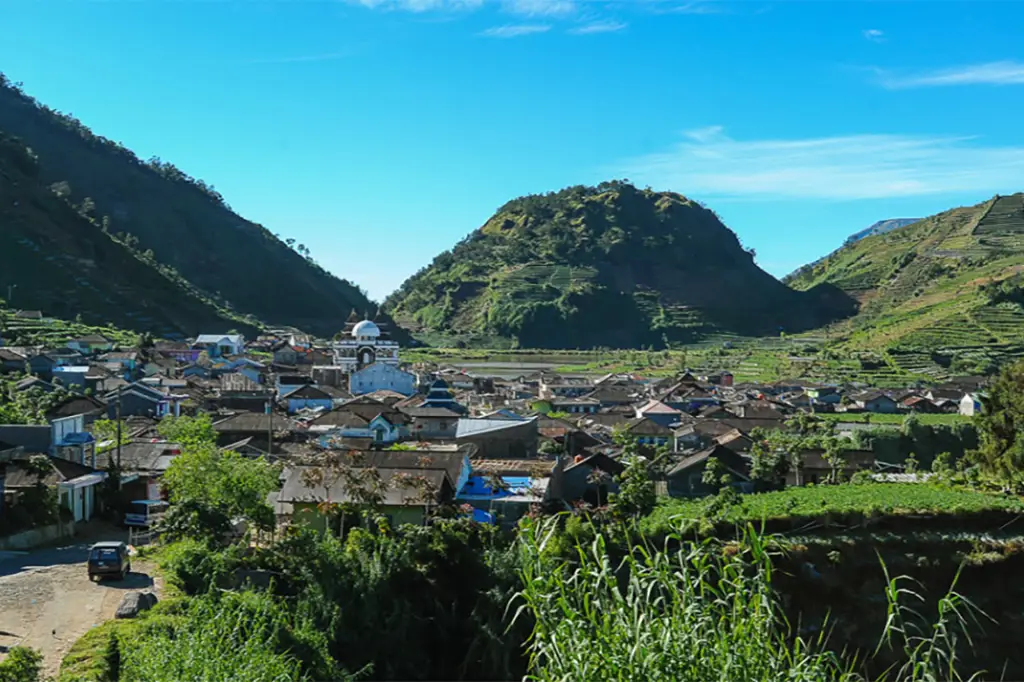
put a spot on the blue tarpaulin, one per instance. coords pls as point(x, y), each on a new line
point(476, 487)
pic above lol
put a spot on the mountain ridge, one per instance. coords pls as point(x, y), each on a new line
point(609, 265)
point(880, 227)
point(182, 220)
point(946, 290)
point(56, 258)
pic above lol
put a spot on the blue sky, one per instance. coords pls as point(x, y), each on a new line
point(380, 132)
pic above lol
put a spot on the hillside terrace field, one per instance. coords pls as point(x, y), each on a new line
point(811, 503)
point(925, 419)
point(53, 332)
point(759, 360)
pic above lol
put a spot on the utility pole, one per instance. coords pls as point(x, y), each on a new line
point(119, 435)
point(270, 428)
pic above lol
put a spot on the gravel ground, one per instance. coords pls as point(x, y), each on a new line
point(47, 600)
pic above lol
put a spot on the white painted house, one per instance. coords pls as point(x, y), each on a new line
point(219, 345)
point(381, 377)
point(970, 404)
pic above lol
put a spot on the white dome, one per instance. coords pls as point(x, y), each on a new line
point(366, 328)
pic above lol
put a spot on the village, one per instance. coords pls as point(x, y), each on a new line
point(494, 446)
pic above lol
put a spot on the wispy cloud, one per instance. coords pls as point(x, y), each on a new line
point(540, 8)
point(599, 27)
point(696, 7)
point(709, 163)
point(515, 30)
point(992, 73)
point(875, 35)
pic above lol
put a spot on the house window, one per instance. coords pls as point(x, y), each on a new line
point(378, 435)
point(442, 425)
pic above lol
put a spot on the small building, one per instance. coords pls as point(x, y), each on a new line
point(411, 484)
point(308, 397)
point(648, 432)
point(499, 438)
point(75, 484)
point(439, 394)
point(814, 468)
point(582, 405)
point(379, 376)
point(918, 403)
point(220, 345)
point(970, 404)
point(11, 361)
point(91, 344)
point(591, 478)
point(686, 477)
point(432, 423)
point(659, 412)
point(140, 400)
point(875, 401)
point(72, 376)
point(823, 395)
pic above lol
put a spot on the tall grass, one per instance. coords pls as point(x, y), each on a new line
point(692, 614)
point(702, 612)
point(229, 638)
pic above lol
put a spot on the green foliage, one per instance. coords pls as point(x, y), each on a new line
point(807, 503)
point(175, 217)
point(194, 518)
point(21, 665)
point(1000, 424)
point(636, 496)
point(246, 636)
point(940, 295)
point(106, 431)
point(190, 432)
point(235, 485)
point(688, 614)
point(707, 611)
point(592, 266)
point(65, 264)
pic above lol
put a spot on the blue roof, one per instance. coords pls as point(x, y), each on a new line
point(476, 486)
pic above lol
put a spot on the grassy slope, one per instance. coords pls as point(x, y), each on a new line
point(63, 264)
point(813, 502)
point(920, 288)
point(183, 221)
point(601, 266)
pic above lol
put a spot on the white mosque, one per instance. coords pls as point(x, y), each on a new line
point(362, 345)
point(370, 359)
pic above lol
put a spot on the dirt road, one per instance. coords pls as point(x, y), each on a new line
point(47, 600)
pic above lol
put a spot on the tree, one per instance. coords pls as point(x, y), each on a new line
point(1001, 451)
point(190, 432)
point(715, 475)
point(236, 485)
point(636, 496)
point(105, 431)
point(21, 665)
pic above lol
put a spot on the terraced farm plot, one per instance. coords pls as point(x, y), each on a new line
point(528, 281)
point(815, 502)
point(1005, 216)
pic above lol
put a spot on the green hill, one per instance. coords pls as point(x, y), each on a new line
point(942, 293)
point(58, 260)
point(610, 265)
point(182, 220)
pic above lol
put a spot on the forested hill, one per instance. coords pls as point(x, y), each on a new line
point(946, 289)
point(56, 258)
point(182, 220)
point(610, 265)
